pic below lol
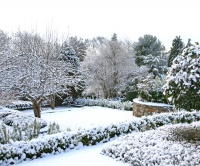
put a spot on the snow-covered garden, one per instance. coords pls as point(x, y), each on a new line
point(100, 78)
point(82, 128)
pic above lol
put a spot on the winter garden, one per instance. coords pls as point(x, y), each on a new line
point(60, 96)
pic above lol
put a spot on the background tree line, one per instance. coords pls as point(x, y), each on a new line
point(42, 68)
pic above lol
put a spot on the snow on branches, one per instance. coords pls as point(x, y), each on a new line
point(182, 85)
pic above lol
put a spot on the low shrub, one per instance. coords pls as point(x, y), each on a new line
point(151, 89)
point(115, 104)
point(186, 133)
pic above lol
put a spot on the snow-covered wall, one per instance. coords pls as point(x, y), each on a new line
point(148, 108)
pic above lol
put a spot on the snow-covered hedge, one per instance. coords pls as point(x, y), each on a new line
point(155, 147)
point(21, 105)
point(127, 105)
point(19, 151)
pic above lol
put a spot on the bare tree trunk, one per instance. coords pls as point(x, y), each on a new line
point(52, 101)
point(37, 109)
point(36, 106)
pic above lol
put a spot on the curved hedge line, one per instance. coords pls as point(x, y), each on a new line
point(17, 152)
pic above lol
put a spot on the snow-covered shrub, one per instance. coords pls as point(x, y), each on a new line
point(19, 132)
point(186, 133)
point(115, 104)
point(21, 119)
point(53, 128)
point(155, 147)
point(4, 134)
point(16, 126)
point(182, 86)
point(151, 89)
point(21, 105)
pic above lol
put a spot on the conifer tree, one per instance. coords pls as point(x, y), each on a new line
point(176, 49)
point(182, 86)
point(147, 45)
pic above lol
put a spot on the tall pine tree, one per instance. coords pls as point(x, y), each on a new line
point(147, 45)
point(176, 49)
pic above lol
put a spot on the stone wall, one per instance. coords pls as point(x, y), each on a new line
point(148, 108)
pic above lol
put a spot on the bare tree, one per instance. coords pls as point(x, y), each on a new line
point(109, 64)
point(6, 97)
point(37, 69)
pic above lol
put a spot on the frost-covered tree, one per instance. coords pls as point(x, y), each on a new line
point(70, 56)
point(182, 86)
point(147, 45)
point(80, 46)
point(157, 65)
point(36, 69)
point(108, 65)
point(6, 97)
point(176, 49)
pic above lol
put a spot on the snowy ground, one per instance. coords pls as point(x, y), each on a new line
point(75, 118)
point(140, 148)
point(86, 156)
point(84, 117)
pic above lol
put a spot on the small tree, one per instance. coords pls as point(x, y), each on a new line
point(176, 49)
point(182, 86)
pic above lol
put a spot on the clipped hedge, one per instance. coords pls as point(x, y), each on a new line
point(115, 104)
point(16, 152)
point(22, 105)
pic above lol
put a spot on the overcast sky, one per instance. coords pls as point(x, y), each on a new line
point(89, 18)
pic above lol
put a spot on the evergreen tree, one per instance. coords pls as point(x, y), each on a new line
point(79, 46)
point(114, 37)
point(182, 86)
point(189, 43)
point(69, 55)
point(145, 46)
point(176, 49)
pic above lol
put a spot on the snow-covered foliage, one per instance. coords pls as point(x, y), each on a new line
point(16, 126)
point(157, 65)
point(21, 105)
point(79, 45)
point(70, 56)
point(127, 105)
point(22, 150)
point(21, 119)
point(151, 89)
point(182, 85)
point(176, 49)
point(36, 69)
point(155, 147)
point(147, 45)
point(108, 64)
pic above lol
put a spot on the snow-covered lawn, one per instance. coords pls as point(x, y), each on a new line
point(76, 118)
point(154, 147)
point(83, 117)
point(86, 156)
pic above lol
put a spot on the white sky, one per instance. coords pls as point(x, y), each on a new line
point(89, 18)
